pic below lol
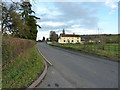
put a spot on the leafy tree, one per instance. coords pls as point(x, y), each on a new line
point(10, 18)
point(18, 20)
point(29, 19)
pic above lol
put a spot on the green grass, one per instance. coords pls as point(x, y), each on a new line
point(110, 50)
point(23, 70)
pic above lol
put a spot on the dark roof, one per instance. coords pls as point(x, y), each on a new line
point(69, 35)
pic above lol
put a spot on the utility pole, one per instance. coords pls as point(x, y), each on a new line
point(98, 34)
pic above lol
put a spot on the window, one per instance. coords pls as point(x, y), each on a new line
point(77, 37)
point(64, 40)
point(72, 41)
point(77, 40)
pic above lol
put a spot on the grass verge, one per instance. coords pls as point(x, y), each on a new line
point(111, 50)
point(23, 70)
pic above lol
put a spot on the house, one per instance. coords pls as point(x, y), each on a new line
point(69, 38)
point(91, 38)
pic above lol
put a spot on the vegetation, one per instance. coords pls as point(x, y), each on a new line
point(18, 20)
point(110, 50)
point(101, 39)
point(21, 61)
point(13, 47)
point(23, 66)
point(108, 38)
point(43, 39)
point(53, 36)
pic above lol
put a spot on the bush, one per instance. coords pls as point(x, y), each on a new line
point(13, 47)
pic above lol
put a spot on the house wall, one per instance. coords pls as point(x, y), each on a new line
point(69, 40)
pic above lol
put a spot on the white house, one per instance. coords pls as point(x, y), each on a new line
point(69, 38)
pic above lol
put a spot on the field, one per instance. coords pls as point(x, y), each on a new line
point(110, 50)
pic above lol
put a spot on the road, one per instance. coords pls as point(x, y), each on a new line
point(72, 69)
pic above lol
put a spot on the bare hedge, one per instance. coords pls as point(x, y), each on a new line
point(13, 47)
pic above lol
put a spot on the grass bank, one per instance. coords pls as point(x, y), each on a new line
point(22, 70)
point(110, 50)
point(13, 47)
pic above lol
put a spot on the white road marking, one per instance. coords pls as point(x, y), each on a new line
point(45, 58)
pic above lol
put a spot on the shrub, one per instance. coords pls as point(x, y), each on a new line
point(13, 47)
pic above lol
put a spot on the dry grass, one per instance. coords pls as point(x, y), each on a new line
point(13, 47)
point(22, 63)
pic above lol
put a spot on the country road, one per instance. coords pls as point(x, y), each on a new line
point(72, 69)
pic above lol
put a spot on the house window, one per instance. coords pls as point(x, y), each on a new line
point(77, 37)
point(77, 40)
point(64, 40)
point(72, 41)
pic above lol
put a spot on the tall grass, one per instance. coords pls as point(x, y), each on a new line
point(22, 63)
point(23, 70)
point(13, 47)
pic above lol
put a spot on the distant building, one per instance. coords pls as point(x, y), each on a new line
point(69, 38)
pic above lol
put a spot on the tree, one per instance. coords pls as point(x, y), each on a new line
point(43, 39)
point(30, 20)
point(47, 39)
point(53, 36)
point(26, 9)
point(101, 42)
point(18, 20)
point(0, 11)
point(11, 20)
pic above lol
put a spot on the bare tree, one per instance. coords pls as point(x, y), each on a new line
point(103, 40)
point(53, 36)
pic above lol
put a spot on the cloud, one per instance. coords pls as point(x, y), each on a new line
point(111, 3)
point(65, 12)
point(54, 26)
point(82, 31)
point(42, 34)
point(74, 17)
point(50, 23)
point(70, 16)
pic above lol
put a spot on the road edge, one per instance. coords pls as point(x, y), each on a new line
point(45, 58)
point(90, 54)
point(41, 77)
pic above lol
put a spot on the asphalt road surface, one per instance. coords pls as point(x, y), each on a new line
point(72, 69)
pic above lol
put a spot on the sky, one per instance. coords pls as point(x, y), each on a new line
point(81, 18)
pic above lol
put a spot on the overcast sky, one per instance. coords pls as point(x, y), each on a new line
point(76, 17)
